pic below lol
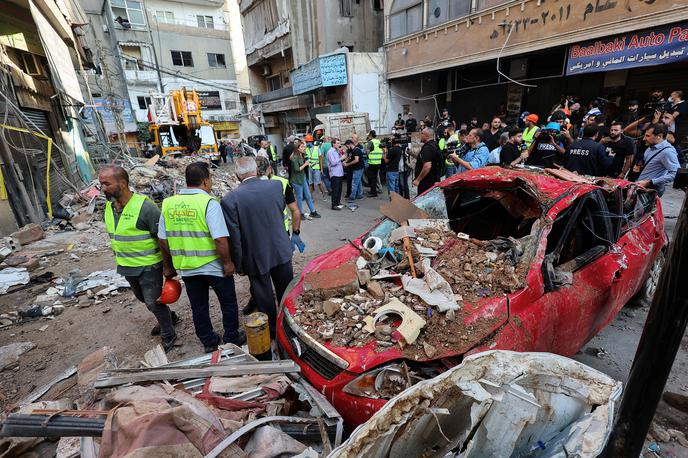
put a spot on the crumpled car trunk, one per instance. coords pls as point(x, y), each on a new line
point(497, 404)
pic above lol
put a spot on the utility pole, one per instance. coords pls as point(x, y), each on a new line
point(659, 343)
point(161, 87)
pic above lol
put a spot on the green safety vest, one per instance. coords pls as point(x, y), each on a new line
point(132, 247)
point(375, 156)
point(273, 152)
point(442, 145)
point(284, 183)
point(188, 235)
point(313, 156)
point(529, 135)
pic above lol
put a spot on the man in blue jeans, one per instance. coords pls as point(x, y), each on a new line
point(355, 164)
point(392, 157)
point(194, 239)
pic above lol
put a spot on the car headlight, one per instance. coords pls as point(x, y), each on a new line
point(382, 383)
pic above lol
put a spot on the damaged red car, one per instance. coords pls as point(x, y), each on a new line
point(534, 263)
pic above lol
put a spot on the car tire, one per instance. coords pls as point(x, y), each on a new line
point(643, 298)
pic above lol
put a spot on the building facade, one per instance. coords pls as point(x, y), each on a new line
point(295, 38)
point(157, 46)
point(42, 144)
point(482, 57)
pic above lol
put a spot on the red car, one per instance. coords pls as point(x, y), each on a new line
point(593, 248)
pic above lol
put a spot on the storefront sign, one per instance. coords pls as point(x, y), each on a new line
point(321, 72)
point(210, 100)
point(657, 46)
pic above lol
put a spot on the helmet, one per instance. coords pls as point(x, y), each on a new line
point(171, 290)
point(553, 126)
point(532, 117)
point(309, 138)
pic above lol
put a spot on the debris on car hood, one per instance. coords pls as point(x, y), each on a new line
point(496, 403)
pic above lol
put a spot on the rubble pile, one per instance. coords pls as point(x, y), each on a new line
point(222, 404)
point(377, 302)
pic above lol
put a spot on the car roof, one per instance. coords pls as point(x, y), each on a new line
point(545, 186)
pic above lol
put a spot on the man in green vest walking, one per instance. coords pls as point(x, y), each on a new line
point(194, 240)
point(315, 166)
point(374, 160)
point(131, 221)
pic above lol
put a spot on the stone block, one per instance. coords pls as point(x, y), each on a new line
point(338, 282)
point(375, 290)
point(29, 233)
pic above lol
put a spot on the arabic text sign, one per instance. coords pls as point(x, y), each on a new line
point(321, 72)
point(650, 47)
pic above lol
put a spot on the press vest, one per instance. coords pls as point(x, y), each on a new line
point(284, 183)
point(132, 247)
point(313, 156)
point(529, 135)
point(375, 156)
point(188, 235)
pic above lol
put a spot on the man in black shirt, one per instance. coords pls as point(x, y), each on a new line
point(631, 114)
point(511, 151)
point(428, 163)
point(399, 123)
point(354, 164)
point(492, 134)
point(411, 123)
point(392, 157)
point(679, 111)
point(444, 122)
point(586, 156)
point(545, 150)
point(620, 148)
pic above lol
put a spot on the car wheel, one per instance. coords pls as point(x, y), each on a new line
point(644, 296)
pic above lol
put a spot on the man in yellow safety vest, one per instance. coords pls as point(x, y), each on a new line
point(315, 166)
point(375, 154)
point(194, 240)
point(531, 129)
point(131, 221)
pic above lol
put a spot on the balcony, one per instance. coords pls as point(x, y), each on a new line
point(141, 76)
point(273, 95)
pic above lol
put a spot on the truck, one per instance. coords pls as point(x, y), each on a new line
point(178, 128)
point(342, 125)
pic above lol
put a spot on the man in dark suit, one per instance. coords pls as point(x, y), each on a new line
point(259, 245)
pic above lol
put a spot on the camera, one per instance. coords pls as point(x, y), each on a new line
point(648, 109)
point(454, 147)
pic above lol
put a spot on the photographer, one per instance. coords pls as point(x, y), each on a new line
point(473, 154)
point(444, 122)
point(586, 156)
point(544, 151)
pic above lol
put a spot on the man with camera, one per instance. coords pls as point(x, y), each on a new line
point(473, 154)
point(444, 122)
point(545, 150)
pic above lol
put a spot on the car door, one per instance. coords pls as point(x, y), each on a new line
point(579, 270)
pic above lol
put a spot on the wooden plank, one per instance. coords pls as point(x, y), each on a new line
point(122, 376)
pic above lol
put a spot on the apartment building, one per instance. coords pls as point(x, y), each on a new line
point(482, 57)
point(157, 46)
point(284, 39)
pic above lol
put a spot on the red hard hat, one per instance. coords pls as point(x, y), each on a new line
point(171, 290)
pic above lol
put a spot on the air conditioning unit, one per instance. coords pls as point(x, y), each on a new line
point(105, 28)
point(267, 71)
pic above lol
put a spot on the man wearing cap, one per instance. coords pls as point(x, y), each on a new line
point(194, 240)
point(131, 221)
point(544, 151)
point(530, 129)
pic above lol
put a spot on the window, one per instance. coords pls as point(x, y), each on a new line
point(182, 58)
point(132, 58)
point(378, 5)
point(205, 22)
point(130, 10)
point(144, 102)
point(345, 8)
point(166, 17)
point(31, 65)
point(440, 11)
point(274, 83)
point(216, 60)
point(406, 17)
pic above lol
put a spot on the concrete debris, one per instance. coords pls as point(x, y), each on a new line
point(29, 233)
point(496, 403)
point(411, 322)
point(12, 276)
point(9, 354)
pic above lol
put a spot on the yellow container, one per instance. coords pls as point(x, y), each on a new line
point(257, 333)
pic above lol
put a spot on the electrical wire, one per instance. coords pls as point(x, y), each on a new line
point(499, 55)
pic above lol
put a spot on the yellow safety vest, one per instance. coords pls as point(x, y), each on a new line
point(529, 135)
point(442, 146)
point(375, 156)
point(132, 247)
point(313, 156)
point(273, 152)
point(188, 235)
point(285, 212)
